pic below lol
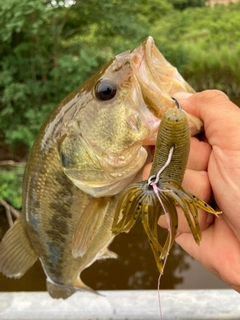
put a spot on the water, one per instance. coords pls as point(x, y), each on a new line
point(134, 269)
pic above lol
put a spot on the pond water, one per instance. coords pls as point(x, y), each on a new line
point(135, 268)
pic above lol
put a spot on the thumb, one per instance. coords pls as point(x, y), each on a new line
point(182, 95)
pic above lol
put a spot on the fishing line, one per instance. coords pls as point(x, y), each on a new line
point(157, 191)
point(157, 176)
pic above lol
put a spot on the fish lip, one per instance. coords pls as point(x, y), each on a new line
point(143, 60)
point(158, 79)
point(150, 67)
point(152, 55)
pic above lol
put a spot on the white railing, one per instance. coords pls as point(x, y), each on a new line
point(123, 305)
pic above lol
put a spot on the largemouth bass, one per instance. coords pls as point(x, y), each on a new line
point(91, 147)
point(162, 191)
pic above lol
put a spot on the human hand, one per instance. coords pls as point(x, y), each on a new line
point(213, 172)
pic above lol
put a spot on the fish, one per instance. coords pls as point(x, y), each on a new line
point(163, 190)
point(90, 148)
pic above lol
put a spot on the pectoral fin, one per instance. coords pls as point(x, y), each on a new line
point(16, 253)
point(88, 225)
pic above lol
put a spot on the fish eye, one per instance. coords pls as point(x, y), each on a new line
point(105, 89)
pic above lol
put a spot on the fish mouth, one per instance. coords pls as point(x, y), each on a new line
point(158, 79)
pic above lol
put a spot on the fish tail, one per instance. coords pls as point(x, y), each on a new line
point(79, 285)
point(16, 253)
point(57, 291)
point(61, 291)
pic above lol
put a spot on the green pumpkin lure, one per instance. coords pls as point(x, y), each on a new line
point(162, 191)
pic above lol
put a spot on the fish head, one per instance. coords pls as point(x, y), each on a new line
point(159, 81)
point(116, 113)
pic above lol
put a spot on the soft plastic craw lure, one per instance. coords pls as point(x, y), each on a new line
point(162, 191)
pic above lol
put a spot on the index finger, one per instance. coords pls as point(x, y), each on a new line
point(220, 116)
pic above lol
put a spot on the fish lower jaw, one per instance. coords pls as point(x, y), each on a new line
point(109, 181)
point(101, 189)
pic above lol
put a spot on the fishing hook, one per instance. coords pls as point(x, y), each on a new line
point(177, 103)
point(157, 176)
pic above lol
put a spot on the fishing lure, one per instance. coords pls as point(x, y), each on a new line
point(163, 191)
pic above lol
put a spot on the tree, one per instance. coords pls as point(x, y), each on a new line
point(183, 4)
point(197, 42)
point(153, 10)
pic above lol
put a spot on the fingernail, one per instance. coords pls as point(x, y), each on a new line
point(182, 95)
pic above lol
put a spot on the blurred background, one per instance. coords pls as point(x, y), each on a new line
point(49, 47)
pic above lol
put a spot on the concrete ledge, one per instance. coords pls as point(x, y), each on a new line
point(123, 305)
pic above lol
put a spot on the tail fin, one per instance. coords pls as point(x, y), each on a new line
point(58, 291)
point(16, 253)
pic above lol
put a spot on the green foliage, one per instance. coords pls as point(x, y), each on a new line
point(203, 44)
point(10, 185)
point(48, 48)
point(152, 11)
point(183, 4)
